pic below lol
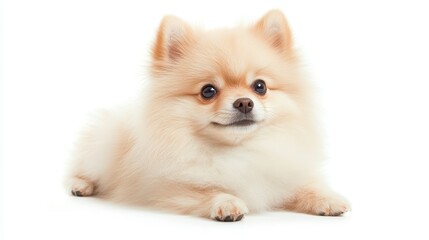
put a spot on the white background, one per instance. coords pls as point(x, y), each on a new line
point(369, 59)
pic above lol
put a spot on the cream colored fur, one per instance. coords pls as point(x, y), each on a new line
point(163, 151)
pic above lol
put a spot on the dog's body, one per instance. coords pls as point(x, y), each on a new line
point(226, 127)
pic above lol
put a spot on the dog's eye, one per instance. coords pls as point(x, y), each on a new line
point(208, 91)
point(259, 87)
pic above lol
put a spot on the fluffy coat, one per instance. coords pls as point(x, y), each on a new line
point(175, 150)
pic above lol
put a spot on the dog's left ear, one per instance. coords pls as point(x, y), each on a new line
point(275, 29)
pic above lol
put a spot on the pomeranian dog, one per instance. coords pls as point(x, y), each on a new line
point(225, 127)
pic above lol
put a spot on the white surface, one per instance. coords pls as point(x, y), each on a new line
point(61, 59)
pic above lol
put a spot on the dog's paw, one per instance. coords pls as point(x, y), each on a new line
point(227, 208)
point(81, 187)
point(318, 203)
point(331, 205)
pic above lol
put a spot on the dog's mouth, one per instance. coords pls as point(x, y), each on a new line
point(240, 123)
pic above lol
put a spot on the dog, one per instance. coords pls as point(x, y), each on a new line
point(225, 127)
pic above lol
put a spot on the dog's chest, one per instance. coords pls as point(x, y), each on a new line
point(261, 179)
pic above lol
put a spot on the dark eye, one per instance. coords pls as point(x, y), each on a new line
point(259, 87)
point(208, 91)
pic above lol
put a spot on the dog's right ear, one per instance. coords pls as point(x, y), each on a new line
point(174, 36)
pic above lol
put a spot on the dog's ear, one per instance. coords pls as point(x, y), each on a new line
point(274, 28)
point(174, 36)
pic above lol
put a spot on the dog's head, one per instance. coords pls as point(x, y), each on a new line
point(225, 84)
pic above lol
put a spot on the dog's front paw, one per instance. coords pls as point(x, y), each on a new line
point(331, 205)
point(318, 203)
point(227, 208)
point(80, 187)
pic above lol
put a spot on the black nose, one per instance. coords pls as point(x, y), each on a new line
point(243, 105)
